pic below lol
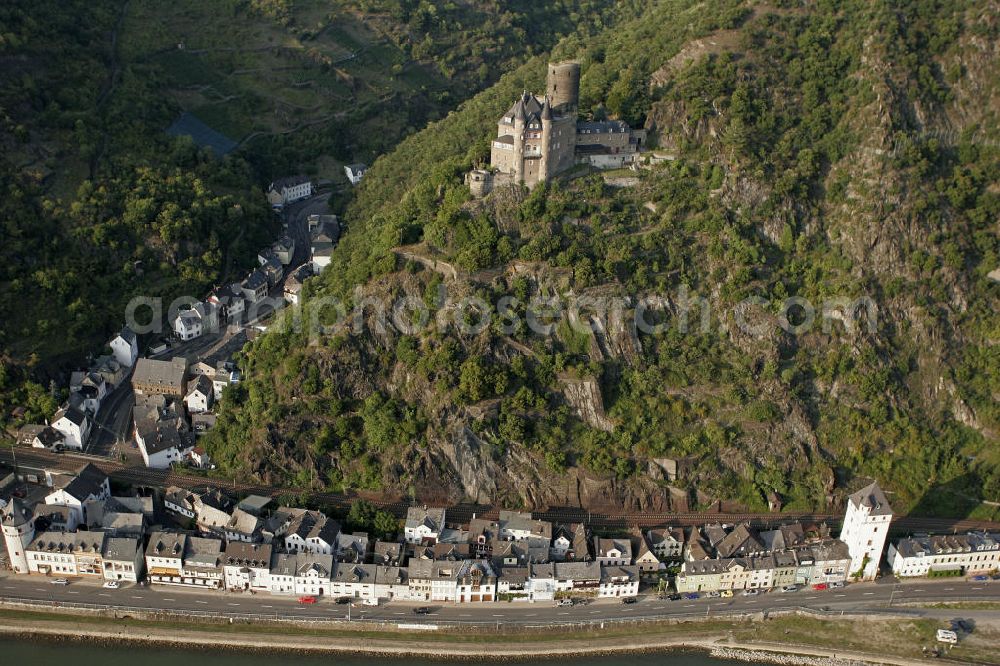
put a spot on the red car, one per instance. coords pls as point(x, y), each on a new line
point(819, 587)
point(307, 600)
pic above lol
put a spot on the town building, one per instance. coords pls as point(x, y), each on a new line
point(290, 189)
point(66, 554)
point(89, 388)
point(75, 490)
point(247, 566)
point(123, 559)
point(74, 425)
point(866, 526)
point(324, 231)
point(199, 319)
point(423, 525)
point(200, 395)
point(153, 377)
point(161, 431)
point(613, 552)
point(355, 172)
point(666, 543)
point(304, 531)
point(946, 554)
point(254, 287)
point(125, 347)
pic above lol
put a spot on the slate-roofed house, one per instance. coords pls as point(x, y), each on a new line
point(243, 526)
point(352, 547)
point(617, 552)
point(283, 191)
point(644, 557)
point(520, 525)
point(355, 172)
point(739, 542)
point(200, 396)
point(307, 531)
point(66, 554)
point(89, 483)
point(161, 431)
point(247, 566)
point(74, 425)
point(571, 543)
point(153, 377)
point(254, 287)
point(966, 554)
point(123, 558)
point(667, 543)
point(125, 347)
point(389, 553)
point(353, 579)
point(423, 524)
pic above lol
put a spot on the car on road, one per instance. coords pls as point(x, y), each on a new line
point(422, 610)
point(60, 581)
point(370, 602)
point(111, 585)
point(675, 597)
point(980, 578)
point(726, 594)
point(307, 600)
point(751, 593)
point(564, 602)
point(837, 585)
point(714, 594)
point(343, 600)
point(629, 600)
point(819, 587)
point(692, 596)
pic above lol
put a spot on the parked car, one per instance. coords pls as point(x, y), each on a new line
point(564, 602)
point(307, 600)
point(60, 581)
point(751, 593)
point(714, 594)
point(837, 585)
point(343, 600)
point(819, 587)
point(790, 588)
point(422, 610)
point(112, 585)
point(726, 594)
point(629, 600)
point(370, 602)
point(675, 597)
point(692, 596)
point(980, 578)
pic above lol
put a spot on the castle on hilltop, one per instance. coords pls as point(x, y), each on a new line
point(540, 137)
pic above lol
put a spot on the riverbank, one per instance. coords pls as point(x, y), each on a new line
point(782, 640)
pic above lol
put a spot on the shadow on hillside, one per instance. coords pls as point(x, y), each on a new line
point(956, 498)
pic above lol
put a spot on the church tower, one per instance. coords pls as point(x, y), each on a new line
point(18, 531)
point(866, 526)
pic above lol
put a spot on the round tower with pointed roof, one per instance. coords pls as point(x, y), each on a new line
point(18, 530)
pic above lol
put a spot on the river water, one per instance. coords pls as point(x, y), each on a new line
point(41, 653)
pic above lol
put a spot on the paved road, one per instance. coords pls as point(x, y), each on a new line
point(855, 597)
point(113, 421)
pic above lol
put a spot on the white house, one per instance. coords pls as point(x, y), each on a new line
point(201, 395)
point(955, 554)
point(323, 241)
point(247, 566)
point(290, 189)
point(313, 574)
point(619, 581)
point(161, 433)
point(194, 322)
point(666, 543)
point(89, 483)
point(179, 559)
point(67, 554)
point(254, 286)
point(125, 347)
point(88, 389)
point(613, 552)
point(310, 532)
point(520, 526)
point(74, 425)
point(123, 559)
point(180, 501)
point(423, 525)
point(866, 526)
point(355, 172)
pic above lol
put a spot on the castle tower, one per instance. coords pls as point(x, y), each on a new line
point(866, 526)
point(563, 86)
point(547, 166)
point(520, 118)
point(18, 531)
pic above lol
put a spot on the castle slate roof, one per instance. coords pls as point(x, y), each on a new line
point(873, 497)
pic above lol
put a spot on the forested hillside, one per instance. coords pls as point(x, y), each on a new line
point(832, 151)
point(99, 204)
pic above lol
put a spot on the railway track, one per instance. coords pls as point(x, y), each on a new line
point(460, 513)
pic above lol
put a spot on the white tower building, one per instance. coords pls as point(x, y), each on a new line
point(18, 530)
point(866, 526)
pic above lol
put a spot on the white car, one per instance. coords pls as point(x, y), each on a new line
point(112, 585)
point(60, 581)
